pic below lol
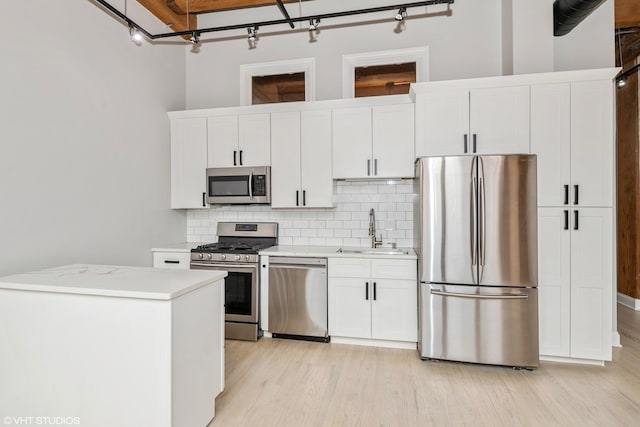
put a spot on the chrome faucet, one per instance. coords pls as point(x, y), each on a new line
point(372, 230)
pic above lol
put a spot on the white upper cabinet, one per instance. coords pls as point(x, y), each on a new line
point(393, 137)
point(592, 143)
point(188, 163)
point(301, 159)
point(239, 140)
point(478, 121)
point(352, 142)
point(373, 142)
point(550, 141)
point(572, 134)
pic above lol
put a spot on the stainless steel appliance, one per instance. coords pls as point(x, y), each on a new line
point(477, 232)
point(298, 298)
point(241, 185)
point(237, 253)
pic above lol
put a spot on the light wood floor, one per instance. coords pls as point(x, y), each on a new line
point(293, 383)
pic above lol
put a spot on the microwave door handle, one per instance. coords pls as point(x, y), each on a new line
point(251, 185)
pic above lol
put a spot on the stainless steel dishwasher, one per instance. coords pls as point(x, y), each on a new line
point(298, 298)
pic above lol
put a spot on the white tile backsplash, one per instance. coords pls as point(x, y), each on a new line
point(346, 225)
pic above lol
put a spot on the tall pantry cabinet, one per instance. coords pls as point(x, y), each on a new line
point(572, 135)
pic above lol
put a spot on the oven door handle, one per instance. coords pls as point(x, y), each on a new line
point(229, 267)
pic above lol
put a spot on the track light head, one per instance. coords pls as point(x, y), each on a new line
point(136, 35)
point(621, 82)
point(401, 15)
point(195, 37)
point(252, 36)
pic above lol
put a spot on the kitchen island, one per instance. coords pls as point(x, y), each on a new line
point(108, 345)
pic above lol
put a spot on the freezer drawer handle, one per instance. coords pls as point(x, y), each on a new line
point(475, 296)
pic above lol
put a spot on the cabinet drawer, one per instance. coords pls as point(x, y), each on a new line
point(401, 269)
point(349, 267)
point(176, 260)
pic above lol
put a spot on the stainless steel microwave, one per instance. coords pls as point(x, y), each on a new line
point(239, 185)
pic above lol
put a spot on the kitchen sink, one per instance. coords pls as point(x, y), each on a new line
point(373, 251)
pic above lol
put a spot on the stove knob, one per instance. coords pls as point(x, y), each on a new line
point(223, 257)
point(200, 256)
point(237, 257)
point(246, 257)
point(209, 256)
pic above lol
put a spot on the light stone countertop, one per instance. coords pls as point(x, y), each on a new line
point(332, 252)
point(113, 281)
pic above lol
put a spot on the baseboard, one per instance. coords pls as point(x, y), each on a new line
point(628, 301)
point(615, 339)
point(571, 360)
point(374, 343)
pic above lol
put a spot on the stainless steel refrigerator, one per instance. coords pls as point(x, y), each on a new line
point(477, 239)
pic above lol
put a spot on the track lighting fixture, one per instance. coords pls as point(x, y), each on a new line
point(136, 35)
point(313, 29)
point(622, 82)
point(402, 14)
point(195, 37)
point(253, 37)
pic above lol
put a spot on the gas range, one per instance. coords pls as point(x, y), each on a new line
point(238, 242)
point(236, 252)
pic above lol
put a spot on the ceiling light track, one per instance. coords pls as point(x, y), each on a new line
point(621, 80)
point(287, 20)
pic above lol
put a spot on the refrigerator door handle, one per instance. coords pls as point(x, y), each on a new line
point(478, 296)
point(481, 220)
point(474, 223)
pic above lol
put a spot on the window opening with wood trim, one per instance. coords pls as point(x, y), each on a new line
point(273, 88)
point(388, 79)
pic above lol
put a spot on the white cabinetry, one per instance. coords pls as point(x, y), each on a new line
point(171, 260)
point(301, 159)
point(575, 279)
point(572, 135)
point(453, 121)
point(239, 140)
point(373, 299)
point(188, 162)
point(373, 142)
point(571, 132)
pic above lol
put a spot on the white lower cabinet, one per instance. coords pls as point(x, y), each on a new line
point(172, 260)
point(575, 282)
point(373, 299)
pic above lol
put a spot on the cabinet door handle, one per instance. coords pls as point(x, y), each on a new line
point(240, 157)
point(474, 143)
point(576, 189)
point(304, 197)
point(575, 220)
point(566, 219)
point(204, 205)
point(171, 261)
point(566, 194)
point(235, 163)
point(368, 167)
point(374, 291)
point(466, 143)
point(297, 198)
point(366, 291)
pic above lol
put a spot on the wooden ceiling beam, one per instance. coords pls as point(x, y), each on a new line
point(627, 13)
point(177, 22)
point(206, 6)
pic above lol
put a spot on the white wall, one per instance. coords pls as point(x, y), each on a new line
point(84, 148)
point(346, 225)
point(589, 45)
point(465, 44)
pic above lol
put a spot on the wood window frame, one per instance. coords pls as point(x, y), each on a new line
point(419, 55)
point(306, 65)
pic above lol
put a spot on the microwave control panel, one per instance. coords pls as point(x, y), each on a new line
point(259, 185)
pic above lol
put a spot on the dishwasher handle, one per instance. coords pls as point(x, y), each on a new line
point(297, 262)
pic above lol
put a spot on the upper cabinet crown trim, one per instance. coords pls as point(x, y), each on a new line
point(516, 80)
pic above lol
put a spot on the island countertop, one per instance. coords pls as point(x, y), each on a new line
point(113, 281)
